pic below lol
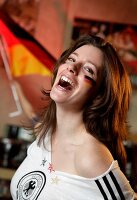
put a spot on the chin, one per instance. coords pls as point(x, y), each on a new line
point(56, 98)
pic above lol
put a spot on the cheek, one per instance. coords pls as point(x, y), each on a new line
point(87, 83)
point(61, 68)
point(88, 89)
point(58, 73)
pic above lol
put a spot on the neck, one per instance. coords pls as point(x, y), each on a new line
point(69, 123)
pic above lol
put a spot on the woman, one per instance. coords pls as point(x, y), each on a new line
point(80, 137)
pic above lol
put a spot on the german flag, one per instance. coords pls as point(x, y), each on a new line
point(22, 60)
point(29, 63)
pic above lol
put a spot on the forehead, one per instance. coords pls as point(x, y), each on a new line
point(90, 53)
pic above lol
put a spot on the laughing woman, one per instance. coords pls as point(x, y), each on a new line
point(78, 153)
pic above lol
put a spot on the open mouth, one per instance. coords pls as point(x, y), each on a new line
point(65, 83)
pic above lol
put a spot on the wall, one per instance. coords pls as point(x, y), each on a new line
point(110, 10)
point(55, 18)
point(51, 23)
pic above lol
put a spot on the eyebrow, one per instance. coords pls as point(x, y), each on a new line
point(87, 60)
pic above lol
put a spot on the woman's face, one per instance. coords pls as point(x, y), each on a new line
point(78, 78)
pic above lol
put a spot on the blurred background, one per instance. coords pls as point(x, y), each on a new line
point(33, 33)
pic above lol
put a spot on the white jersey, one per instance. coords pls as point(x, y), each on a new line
point(36, 179)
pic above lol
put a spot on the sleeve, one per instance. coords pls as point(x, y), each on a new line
point(122, 185)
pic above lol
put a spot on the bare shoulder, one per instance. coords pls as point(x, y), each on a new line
point(92, 158)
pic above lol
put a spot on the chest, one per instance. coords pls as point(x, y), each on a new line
point(63, 157)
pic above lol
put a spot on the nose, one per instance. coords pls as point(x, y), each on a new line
point(73, 68)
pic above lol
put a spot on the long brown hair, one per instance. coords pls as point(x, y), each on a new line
point(104, 116)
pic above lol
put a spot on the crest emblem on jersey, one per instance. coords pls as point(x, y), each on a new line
point(31, 185)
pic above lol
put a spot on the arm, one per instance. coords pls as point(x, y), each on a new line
point(26, 105)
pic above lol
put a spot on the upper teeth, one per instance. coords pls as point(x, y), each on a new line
point(64, 78)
